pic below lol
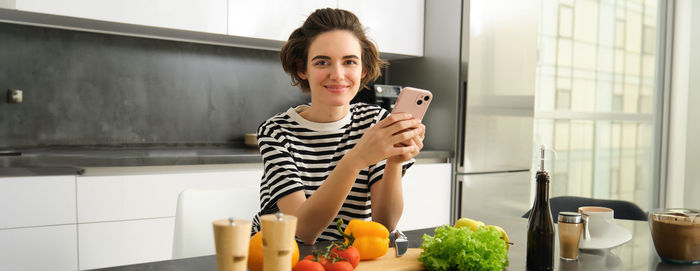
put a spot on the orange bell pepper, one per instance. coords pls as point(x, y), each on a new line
point(370, 238)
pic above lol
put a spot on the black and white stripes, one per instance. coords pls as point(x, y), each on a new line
point(299, 154)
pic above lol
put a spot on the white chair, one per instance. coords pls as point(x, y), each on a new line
point(196, 209)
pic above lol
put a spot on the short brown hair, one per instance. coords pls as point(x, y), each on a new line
point(295, 52)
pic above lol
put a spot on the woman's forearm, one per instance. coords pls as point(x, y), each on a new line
point(319, 210)
point(387, 197)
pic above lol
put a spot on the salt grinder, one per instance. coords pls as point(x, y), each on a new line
point(232, 238)
point(278, 233)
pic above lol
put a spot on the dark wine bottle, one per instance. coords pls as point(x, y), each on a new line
point(540, 227)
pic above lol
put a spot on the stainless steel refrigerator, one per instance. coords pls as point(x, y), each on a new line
point(496, 106)
point(479, 62)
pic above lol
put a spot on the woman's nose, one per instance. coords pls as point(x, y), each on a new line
point(337, 72)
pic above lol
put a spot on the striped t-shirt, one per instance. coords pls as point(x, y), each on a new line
point(299, 154)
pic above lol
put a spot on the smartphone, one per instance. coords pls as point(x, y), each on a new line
point(414, 101)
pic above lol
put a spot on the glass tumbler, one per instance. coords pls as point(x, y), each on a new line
point(570, 228)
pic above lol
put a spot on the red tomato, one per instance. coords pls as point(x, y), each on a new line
point(325, 262)
point(351, 254)
point(308, 265)
point(321, 260)
point(341, 266)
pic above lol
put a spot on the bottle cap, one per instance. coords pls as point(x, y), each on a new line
point(570, 217)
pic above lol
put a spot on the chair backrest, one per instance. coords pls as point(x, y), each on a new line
point(622, 209)
point(196, 209)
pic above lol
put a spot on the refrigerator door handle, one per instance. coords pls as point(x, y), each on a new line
point(460, 183)
point(461, 125)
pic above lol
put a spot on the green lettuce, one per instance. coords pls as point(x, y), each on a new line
point(464, 249)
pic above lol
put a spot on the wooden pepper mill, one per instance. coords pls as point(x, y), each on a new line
point(232, 238)
point(278, 233)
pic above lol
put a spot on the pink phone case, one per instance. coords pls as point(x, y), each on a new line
point(414, 101)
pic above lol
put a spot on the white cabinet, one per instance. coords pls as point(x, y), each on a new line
point(396, 26)
point(8, 4)
point(202, 16)
point(117, 216)
point(125, 242)
point(37, 201)
point(37, 223)
point(39, 248)
point(127, 197)
point(270, 19)
point(426, 196)
point(127, 218)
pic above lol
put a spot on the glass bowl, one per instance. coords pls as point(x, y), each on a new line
point(676, 234)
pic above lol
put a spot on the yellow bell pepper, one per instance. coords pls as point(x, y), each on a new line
point(370, 238)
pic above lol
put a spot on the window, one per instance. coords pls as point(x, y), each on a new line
point(594, 101)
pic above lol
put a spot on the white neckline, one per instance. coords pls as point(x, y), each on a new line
point(293, 113)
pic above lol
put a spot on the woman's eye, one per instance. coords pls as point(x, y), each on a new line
point(350, 62)
point(321, 63)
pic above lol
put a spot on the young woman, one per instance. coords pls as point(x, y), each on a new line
point(331, 159)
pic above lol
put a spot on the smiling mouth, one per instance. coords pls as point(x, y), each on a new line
point(337, 88)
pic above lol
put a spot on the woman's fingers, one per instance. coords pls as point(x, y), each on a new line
point(422, 134)
point(404, 136)
point(393, 118)
point(396, 135)
point(403, 126)
point(403, 150)
point(418, 141)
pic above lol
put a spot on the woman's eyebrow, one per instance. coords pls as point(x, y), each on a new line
point(328, 58)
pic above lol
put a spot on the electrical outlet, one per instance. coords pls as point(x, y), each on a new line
point(14, 96)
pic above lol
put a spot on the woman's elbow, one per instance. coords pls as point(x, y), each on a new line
point(307, 238)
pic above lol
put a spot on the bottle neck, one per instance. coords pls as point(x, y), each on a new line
point(542, 195)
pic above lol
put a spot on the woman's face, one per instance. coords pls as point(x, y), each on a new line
point(334, 68)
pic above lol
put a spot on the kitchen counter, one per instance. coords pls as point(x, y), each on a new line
point(73, 160)
point(636, 254)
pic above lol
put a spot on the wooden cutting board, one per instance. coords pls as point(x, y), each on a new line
point(407, 262)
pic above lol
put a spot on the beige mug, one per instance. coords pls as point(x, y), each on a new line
point(597, 221)
point(232, 238)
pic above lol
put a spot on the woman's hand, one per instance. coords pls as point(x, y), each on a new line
point(384, 139)
point(415, 141)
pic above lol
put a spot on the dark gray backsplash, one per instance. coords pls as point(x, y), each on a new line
point(85, 88)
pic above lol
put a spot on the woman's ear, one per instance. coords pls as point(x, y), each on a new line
point(301, 69)
point(302, 74)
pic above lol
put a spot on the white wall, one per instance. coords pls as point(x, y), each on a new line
point(684, 148)
point(692, 172)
